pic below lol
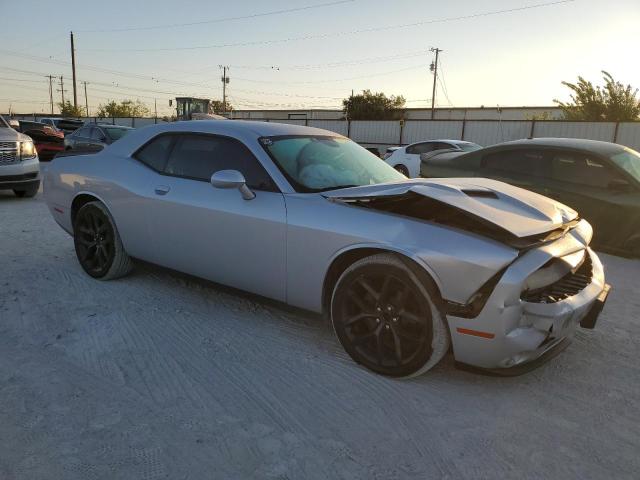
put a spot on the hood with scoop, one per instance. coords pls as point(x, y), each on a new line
point(487, 207)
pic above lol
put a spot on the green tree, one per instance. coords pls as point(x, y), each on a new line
point(68, 110)
point(373, 106)
point(126, 108)
point(216, 106)
point(613, 102)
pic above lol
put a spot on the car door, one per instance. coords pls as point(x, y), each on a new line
point(584, 182)
point(525, 168)
point(412, 156)
point(81, 137)
point(214, 233)
point(98, 138)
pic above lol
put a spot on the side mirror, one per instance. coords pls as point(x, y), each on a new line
point(15, 124)
point(619, 185)
point(232, 179)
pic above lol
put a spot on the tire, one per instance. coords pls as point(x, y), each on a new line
point(98, 245)
point(28, 192)
point(387, 319)
point(403, 170)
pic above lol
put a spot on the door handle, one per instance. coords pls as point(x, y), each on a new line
point(162, 189)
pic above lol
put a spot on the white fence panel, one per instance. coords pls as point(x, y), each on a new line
point(143, 122)
point(629, 135)
point(289, 122)
point(416, 131)
point(124, 121)
point(490, 133)
point(372, 131)
point(337, 126)
point(591, 130)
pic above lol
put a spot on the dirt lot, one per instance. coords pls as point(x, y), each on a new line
point(163, 376)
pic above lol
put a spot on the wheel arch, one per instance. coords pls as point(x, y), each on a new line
point(347, 256)
point(81, 199)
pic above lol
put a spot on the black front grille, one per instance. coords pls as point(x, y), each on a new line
point(18, 178)
point(568, 286)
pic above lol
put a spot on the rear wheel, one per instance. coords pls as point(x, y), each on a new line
point(98, 245)
point(403, 170)
point(387, 319)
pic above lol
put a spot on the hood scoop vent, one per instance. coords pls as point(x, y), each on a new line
point(480, 194)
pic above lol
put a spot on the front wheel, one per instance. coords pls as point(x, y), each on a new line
point(98, 245)
point(387, 318)
point(27, 192)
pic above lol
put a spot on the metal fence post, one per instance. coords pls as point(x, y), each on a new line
point(401, 131)
point(615, 133)
point(464, 125)
point(348, 128)
point(533, 129)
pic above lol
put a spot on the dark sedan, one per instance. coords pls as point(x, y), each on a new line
point(95, 136)
point(47, 140)
point(600, 180)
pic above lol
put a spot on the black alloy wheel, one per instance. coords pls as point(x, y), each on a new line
point(94, 241)
point(383, 320)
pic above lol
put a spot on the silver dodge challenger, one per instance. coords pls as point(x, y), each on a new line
point(404, 269)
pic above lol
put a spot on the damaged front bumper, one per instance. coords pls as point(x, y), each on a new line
point(513, 330)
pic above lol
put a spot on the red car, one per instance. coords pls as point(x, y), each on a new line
point(47, 140)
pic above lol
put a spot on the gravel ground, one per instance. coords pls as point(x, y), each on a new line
point(160, 375)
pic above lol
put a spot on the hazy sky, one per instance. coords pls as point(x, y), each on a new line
point(511, 59)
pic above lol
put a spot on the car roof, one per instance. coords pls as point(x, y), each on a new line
point(448, 140)
point(261, 129)
point(596, 146)
point(235, 128)
point(110, 125)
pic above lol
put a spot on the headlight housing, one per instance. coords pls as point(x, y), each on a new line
point(27, 150)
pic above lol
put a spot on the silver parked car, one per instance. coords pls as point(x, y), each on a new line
point(19, 163)
point(403, 268)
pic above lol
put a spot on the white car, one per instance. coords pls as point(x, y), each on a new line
point(407, 159)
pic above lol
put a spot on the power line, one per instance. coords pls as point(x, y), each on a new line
point(443, 84)
point(312, 66)
point(414, 67)
point(220, 20)
point(337, 34)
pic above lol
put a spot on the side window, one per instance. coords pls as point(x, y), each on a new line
point(200, 156)
point(419, 148)
point(581, 169)
point(442, 146)
point(97, 134)
point(81, 132)
point(522, 162)
point(155, 153)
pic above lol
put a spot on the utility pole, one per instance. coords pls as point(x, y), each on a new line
point(62, 88)
point(155, 108)
point(73, 71)
point(86, 101)
point(225, 80)
point(434, 69)
point(50, 77)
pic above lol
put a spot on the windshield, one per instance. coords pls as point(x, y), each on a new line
point(3, 123)
point(469, 147)
point(629, 160)
point(319, 163)
point(116, 133)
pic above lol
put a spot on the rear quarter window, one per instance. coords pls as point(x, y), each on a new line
point(155, 153)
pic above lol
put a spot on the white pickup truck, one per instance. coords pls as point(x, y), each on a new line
point(19, 164)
